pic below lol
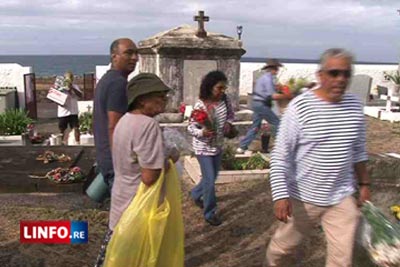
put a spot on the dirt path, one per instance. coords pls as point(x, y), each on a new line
point(239, 242)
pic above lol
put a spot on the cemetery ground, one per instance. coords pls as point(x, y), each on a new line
point(240, 241)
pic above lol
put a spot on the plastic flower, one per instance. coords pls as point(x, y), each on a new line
point(30, 126)
point(76, 169)
point(395, 209)
point(182, 108)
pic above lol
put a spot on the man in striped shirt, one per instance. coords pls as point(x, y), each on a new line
point(318, 157)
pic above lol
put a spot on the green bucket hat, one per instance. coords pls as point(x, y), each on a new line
point(143, 84)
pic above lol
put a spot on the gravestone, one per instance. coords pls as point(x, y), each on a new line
point(193, 71)
point(360, 85)
point(183, 55)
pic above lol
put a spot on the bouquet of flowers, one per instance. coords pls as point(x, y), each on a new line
point(62, 84)
point(381, 238)
point(66, 175)
point(201, 116)
point(205, 118)
point(284, 89)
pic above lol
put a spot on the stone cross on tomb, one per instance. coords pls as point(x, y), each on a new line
point(201, 32)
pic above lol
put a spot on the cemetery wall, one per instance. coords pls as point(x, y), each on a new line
point(308, 71)
point(290, 70)
point(12, 75)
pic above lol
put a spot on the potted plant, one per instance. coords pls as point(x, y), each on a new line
point(86, 122)
point(14, 122)
point(296, 85)
point(394, 78)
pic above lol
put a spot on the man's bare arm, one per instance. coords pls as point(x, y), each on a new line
point(113, 118)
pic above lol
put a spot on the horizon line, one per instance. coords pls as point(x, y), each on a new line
point(243, 59)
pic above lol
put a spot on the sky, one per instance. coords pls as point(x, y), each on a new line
point(297, 29)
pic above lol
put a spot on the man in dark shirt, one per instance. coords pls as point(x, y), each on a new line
point(110, 102)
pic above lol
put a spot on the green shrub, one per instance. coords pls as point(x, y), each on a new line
point(86, 122)
point(14, 122)
point(296, 84)
point(394, 77)
point(228, 158)
point(230, 162)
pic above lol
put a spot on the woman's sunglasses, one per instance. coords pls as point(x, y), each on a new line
point(335, 73)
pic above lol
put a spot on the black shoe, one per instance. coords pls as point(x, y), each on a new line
point(198, 202)
point(214, 221)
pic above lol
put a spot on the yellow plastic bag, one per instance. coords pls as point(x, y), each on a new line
point(149, 234)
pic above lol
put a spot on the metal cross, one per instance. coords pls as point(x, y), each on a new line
point(201, 32)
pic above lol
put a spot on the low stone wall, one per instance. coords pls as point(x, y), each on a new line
point(307, 70)
point(241, 126)
point(192, 167)
point(384, 170)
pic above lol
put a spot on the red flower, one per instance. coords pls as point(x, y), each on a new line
point(286, 90)
point(182, 108)
point(200, 116)
point(76, 169)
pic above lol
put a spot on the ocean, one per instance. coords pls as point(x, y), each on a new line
point(50, 65)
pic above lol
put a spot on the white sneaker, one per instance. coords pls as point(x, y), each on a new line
point(240, 150)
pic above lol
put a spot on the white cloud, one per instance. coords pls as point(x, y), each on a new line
point(271, 28)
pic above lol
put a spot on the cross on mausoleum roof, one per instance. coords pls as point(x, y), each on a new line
point(201, 32)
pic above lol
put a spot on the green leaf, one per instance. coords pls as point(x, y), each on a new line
point(14, 122)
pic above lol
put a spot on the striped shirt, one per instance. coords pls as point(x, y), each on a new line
point(317, 145)
point(209, 146)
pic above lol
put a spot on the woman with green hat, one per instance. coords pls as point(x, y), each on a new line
point(137, 151)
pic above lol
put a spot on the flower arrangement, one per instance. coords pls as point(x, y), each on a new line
point(395, 209)
point(62, 84)
point(49, 156)
point(201, 116)
point(381, 238)
point(206, 119)
point(284, 89)
point(293, 86)
point(66, 175)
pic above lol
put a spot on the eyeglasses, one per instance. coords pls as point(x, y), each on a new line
point(335, 73)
